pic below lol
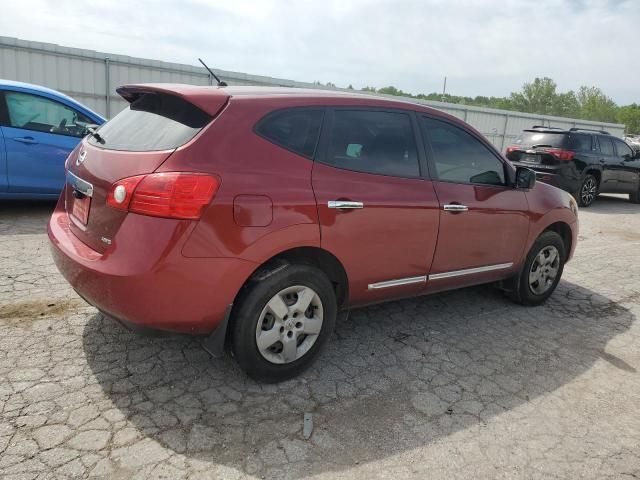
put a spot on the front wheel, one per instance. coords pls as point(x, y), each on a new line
point(542, 270)
point(282, 322)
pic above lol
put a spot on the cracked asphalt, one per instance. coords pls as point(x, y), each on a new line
point(458, 385)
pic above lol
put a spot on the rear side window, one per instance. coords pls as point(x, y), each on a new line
point(373, 142)
point(580, 143)
point(153, 121)
point(606, 147)
point(542, 139)
point(460, 157)
point(294, 129)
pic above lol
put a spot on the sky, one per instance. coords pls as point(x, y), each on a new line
point(482, 47)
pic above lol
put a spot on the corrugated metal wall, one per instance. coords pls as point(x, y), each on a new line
point(92, 77)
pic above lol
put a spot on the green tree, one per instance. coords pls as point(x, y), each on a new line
point(565, 104)
point(595, 105)
point(630, 116)
point(535, 97)
point(541, 96)
point(391, 90)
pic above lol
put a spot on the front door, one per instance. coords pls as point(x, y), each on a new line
point(39, 134)
point(629, 172)
point(377, 215)
point(483, 220)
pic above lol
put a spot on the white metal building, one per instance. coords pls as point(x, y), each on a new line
point(92, 77)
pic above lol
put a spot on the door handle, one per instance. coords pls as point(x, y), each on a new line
point(27, 140)
point(344, 204)
point(455, 207)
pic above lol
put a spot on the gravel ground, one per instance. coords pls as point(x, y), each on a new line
point(458, 385)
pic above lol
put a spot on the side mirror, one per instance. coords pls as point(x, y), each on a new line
point(525, 178)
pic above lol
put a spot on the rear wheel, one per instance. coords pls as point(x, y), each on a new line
point(542, 270)
point(635, 196)
point(282, 322)
point(588, 191)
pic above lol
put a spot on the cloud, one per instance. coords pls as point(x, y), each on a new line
point(484, 48)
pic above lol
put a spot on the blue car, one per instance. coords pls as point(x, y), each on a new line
point(38, 129)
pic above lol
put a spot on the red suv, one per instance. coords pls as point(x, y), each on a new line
point(256, 215)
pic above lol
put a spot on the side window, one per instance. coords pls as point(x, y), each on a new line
point(294, 129)
point(373, 142)
point(460, 157)
point(580, 143)
point(606, 147)
point(41, 114)
point(623, 149)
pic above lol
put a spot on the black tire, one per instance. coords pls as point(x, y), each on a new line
point(635, 197)
point(588, 191)
point(250, 305)
point(523, 292)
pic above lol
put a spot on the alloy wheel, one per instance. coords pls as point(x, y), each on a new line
point(588, 191)
point(289, 324)
point(544, 270)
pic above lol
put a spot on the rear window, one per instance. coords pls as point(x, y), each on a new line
point(153, 121)
point(294, 129)
point(542, 139)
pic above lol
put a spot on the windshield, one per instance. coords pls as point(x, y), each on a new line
point(153, 121)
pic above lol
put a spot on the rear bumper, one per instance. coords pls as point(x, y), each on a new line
point(143, 279)
point(563, 177)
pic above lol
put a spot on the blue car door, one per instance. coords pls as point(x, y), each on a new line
point(3, 164)
point(39, 134)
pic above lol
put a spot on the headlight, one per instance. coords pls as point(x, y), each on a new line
point(573, 205)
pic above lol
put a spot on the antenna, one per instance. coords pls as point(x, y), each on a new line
point(220, 82)
point(444, 90)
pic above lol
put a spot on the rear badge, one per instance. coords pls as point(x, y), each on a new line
point(106, 241)
point(81, 158)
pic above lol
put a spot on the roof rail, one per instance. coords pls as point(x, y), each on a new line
point(548, 128)
point(576, 129)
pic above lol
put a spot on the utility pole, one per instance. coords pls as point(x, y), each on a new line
point(444, 89)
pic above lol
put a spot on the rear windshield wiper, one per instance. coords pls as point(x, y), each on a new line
point(541, 145)
point(92, 129)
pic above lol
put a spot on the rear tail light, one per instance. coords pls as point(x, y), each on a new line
point(561, 154)
point(170, 195)
point(511, 149)
point(120, 193)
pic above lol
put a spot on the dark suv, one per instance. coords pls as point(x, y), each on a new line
point(582, 162)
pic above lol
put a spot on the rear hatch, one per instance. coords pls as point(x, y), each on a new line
point(135, 142)
point(542, 148)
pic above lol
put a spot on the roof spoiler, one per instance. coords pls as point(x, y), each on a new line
point(546, 128)
point(209, 99)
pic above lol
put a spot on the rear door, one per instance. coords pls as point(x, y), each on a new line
point(629, 171)
point(39, 134)
point(377, 215)
point(483, 221)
